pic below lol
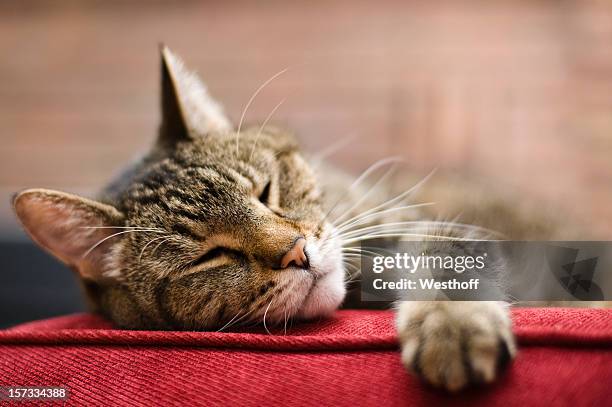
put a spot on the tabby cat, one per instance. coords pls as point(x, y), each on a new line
point(218, 226)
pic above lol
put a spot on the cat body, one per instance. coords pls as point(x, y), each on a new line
point(218, 226)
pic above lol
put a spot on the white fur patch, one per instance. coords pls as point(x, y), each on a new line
point(328, 290)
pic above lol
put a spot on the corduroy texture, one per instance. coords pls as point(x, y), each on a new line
point(351, 359)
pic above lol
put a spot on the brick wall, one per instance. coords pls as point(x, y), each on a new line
point(515, 92)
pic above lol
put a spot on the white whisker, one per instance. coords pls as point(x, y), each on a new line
point(264, 317)
point(147, 245)
point(416, 235)
point(285, 326)
point(359, 249)
point(355, 272)
point(367, 253)
point(246, 108)
point(409, 226)
point(233, 321)
point(362, 177)
point(371, 189)
point(416, 225)
point(357, 220)
point(399, 197)
point(159, 244)
point(122, 227)
point(113, 235)
point(263, 125)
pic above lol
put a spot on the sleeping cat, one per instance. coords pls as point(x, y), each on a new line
point(218, 226)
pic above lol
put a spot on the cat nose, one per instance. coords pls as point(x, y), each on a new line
point(296, 255)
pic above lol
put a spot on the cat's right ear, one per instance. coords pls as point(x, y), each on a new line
point(188, 110)
point(73, 229)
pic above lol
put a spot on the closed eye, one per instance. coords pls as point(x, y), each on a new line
point(215, 253)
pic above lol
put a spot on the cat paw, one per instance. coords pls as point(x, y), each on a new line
point(452, 345)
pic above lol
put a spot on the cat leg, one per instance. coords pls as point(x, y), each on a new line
point(454, 344)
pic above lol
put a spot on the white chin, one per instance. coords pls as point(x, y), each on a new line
point(325, 296)
point(328, 290)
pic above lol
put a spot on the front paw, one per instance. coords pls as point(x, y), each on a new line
point(454, 344)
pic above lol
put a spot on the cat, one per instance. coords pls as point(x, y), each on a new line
point(218, 226)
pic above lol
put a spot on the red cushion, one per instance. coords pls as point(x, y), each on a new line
point(351, 359)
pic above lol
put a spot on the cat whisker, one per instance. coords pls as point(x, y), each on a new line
point(263, 125)
point(361, 219)
point(285, 326)
point(397, 199)
point(372, 189)
point(246, 108)
point(348, 264)
point(113, 235)
point(399, 232)
point(366, 253)
point(380, 228)
point(388, 229)
point(442, 226)
point(248, 313)
point(359, 249)
point(353, 272)
point(291, 319)
point(359, 254)
point(405, 235)
point(147, 245)
point(264, 317)
point(228, 323)
point(406, 226)
point(380, 163)
point(362, 177)
point(233, 321)
point(122, 227)
point(348, 259)
point(160, 243)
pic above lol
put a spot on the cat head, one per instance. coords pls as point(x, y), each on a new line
point(215, 226)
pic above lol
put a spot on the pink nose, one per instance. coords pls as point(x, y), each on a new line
point(295, 255)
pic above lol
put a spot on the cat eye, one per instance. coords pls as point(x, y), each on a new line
point(264, 197)
point(209, 255)
point(214, 254)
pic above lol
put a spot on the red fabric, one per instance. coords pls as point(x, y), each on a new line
point(351, 359)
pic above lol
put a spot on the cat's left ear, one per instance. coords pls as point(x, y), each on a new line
point(72, 228)
point(188, 110)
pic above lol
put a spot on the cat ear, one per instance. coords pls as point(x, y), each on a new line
point(188, 110)
point(71, 228)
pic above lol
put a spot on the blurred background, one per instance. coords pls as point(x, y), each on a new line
point(515, 94)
